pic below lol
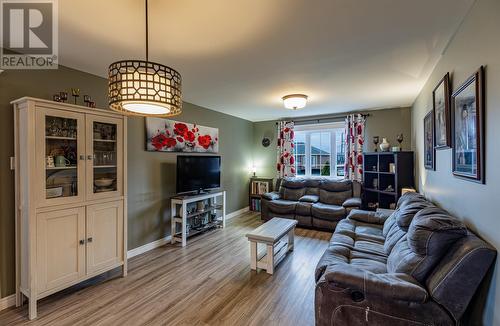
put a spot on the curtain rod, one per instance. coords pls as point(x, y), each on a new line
point(323, 119)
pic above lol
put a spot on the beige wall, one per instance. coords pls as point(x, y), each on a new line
point(151, 175)
point(475, 44)
point(384, 123)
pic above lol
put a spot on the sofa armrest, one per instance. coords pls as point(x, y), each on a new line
point(393, 286)
point(353, 202)
point(367, 216)
point(309, 198)
point(271, 195)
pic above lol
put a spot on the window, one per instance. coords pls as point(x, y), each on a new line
point(319, 150)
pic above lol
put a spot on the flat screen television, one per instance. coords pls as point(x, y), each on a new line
point(197, 173)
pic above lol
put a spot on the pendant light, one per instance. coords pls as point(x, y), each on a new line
point(144, 88)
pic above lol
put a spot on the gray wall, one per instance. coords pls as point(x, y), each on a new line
point(151, 176)
point(384, 123)
point(475, 44)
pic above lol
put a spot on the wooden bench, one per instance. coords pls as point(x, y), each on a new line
point(272, 234)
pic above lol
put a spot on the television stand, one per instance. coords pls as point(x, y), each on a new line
point(180, 216)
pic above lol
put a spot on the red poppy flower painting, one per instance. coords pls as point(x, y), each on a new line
point(165, 135)
point(159, 141)
point(205, 141)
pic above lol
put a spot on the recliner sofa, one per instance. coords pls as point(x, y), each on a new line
point(417, 266)
point(314, 202)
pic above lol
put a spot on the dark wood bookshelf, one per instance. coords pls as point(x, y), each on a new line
point(254, 196)
point(385, 192)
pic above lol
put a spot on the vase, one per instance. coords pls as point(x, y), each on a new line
point(384, 145)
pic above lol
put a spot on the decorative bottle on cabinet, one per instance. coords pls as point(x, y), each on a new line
point(70, 176)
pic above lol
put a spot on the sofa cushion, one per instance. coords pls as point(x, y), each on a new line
point(394, 236)
point(429, 236)
point(404, 215)
point(271, 195)
point(312, 186)
point(409, 197)
point(293, 194)
point(293, 183)
point(281, 206)
point(324, 224)
point(303, 208)
point(352, 202)
point(328, 212)
point(336, 254)
point(366, 216)
point(360, 231)
point(335, 192)
point(433, 230)
point(388, 224)
point(304, 220)
point(309, 198)
point(292, 188)
point(372, 247)
point(402, 219)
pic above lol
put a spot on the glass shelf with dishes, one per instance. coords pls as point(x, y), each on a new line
point(61, 172)
point(105, 156)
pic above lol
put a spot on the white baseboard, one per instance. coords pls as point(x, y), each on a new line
point(148, 246)
point(158, 243)
point(238, 212)
point(8, 302)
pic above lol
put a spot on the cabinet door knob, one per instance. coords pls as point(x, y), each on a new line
point(82, 242)
point(90, 239)
point(89, 157)
point(82, 157)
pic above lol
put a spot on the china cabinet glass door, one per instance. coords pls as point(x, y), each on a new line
point(104, 154)
point(60, 156)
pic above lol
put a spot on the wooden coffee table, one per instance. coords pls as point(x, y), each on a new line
point(272, 234)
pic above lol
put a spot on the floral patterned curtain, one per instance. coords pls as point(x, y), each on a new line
point(285, 159)
point(355, 138)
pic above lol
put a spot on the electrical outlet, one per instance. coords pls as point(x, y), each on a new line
point(12, 163)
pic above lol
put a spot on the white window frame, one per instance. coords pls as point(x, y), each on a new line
point(316, 128)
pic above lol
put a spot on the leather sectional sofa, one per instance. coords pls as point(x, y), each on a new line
point(417, 266)
point(318, 203)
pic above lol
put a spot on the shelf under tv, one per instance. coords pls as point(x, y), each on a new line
point(181, 218)
point(199, 230)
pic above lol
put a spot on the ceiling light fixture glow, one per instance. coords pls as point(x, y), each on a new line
point(294, 101)
point(144, 88)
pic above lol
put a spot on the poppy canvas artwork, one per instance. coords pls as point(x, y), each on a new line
point(164, 135)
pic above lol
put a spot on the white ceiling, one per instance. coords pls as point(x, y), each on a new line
point(241, 56)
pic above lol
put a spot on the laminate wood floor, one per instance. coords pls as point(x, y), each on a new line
point(209, 282)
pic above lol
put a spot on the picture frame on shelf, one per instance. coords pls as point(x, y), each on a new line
point(468, 109)
point(441, 112)
point(429, 149)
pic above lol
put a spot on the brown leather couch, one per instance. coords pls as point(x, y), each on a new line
point(314, 202)
point(417, 266)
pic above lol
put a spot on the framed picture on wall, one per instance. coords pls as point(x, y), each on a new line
point(429, 150)
point(468, 128)
point(164, 135)
point(441, 109)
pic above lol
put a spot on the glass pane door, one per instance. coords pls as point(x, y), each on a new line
point(105, 156)
point(61, 157)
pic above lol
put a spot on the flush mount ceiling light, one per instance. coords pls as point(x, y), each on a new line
point(144, 88)
point(294, 101)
